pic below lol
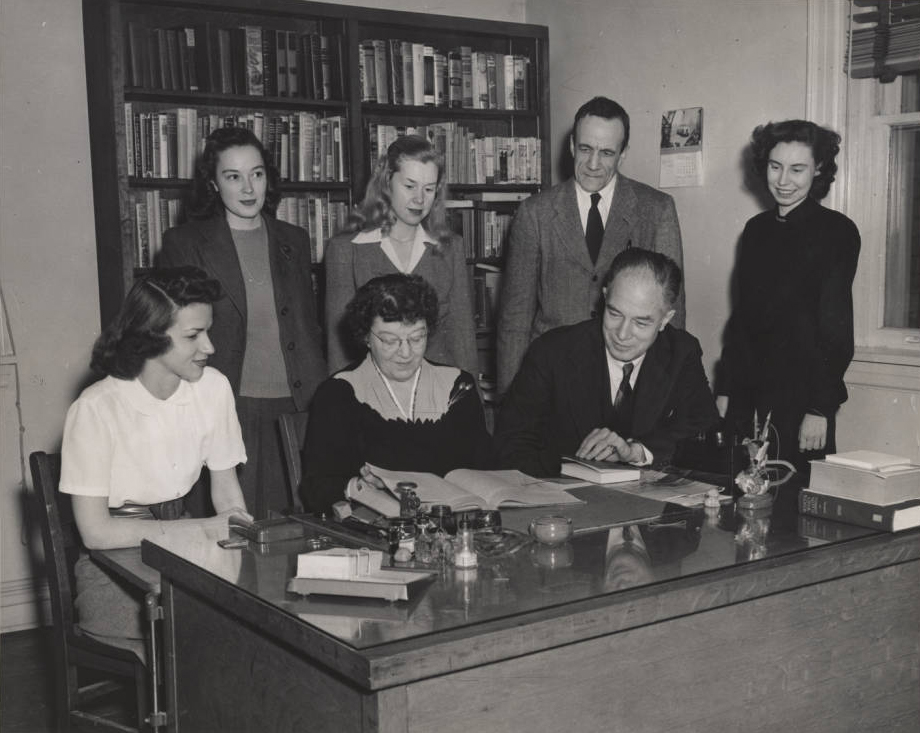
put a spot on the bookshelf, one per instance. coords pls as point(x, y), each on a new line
point(161, 73)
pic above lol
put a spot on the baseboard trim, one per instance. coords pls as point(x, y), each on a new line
point(24, 604)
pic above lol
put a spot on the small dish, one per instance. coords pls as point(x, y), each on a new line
point(551, 530)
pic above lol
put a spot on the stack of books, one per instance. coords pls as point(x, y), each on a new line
point(865, 488)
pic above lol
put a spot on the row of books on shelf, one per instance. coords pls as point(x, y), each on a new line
point(155, 212)
point(487, 281)
point(866, 488)
point(320, 216)
point(469, 158)
point(399, 72)
point(302, 145)
point(484, 231)
point(248, 60)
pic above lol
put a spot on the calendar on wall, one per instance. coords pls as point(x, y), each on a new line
point(681, 148)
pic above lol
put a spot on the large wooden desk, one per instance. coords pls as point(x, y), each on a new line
point(814, 626)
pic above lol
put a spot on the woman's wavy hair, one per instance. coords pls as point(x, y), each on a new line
point(138, 332)
point(376, 209)
point(206, 201)
point(824, 144)
point(396, 298)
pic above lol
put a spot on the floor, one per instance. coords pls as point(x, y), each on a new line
point(26, 685)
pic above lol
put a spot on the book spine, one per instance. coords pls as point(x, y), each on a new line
point(395, 69)
point(305, 55)
point(466, 72)
point(293, 65)
point(174, 61)
point(269, 62)
point(327, 48)
point(381, 77)
point(129, 139)
point(491, 82)
point(189, 46)
point(428, 90)
point(508, 102)
point(847, 510)
point(408, 78)
point(455, 79)
point(281, 72)
point(368, 68)
point(255, 84)
point(418, 74)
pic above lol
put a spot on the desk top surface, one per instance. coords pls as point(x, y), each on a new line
point(683, 544)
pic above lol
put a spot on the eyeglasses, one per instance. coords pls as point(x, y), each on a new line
point(391, 343)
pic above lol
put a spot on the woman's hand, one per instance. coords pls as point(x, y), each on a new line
point(812, 432)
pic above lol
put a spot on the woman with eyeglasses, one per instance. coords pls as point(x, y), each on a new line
point(401, 226)
point(394, 409)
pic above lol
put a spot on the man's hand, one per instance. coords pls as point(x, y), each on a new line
point(602, 444)
point(812, 432)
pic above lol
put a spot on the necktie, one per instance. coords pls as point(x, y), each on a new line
point(622, 402)
point(594, 230)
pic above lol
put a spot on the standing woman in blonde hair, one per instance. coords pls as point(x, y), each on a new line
point(401, 227)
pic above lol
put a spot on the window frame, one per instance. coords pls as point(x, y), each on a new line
point(847, 105)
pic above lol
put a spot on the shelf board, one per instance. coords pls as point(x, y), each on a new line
point(207, 99)
point(372, 109)
point(183, 183)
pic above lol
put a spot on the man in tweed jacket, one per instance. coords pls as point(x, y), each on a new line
point(550, 278)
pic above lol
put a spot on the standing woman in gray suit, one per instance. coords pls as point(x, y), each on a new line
point(401, 226)
point(265, 331)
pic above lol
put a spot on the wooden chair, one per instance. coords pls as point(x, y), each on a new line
point(72, 649)
point(293, 427)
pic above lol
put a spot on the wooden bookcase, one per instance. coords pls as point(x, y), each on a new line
point(133, 61)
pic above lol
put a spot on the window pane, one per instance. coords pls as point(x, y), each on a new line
point(910, 92)
point(902, 255)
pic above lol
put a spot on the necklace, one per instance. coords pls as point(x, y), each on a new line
point(386, 382)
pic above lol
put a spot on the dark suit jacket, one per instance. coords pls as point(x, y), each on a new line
point(562, 392)
point(549, 280)
point(208, 244)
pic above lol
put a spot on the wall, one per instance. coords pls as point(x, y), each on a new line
point(47, 251)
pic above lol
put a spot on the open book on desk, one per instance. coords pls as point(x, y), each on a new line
point(465, 488)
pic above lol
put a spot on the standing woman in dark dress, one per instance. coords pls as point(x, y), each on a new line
point(266, 331)
point(790, 337)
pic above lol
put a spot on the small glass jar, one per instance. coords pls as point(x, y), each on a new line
point(465, 554)
point(401, 533)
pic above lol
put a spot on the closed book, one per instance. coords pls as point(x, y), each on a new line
point(293, 65)
point(281, 59)
point(270, 62)
point(408, 78)
point(367, 65)
point(466, 76)
point(381, 71)
point(188, 53)
point(428, 90)
point(885, 517)
point(174, 62)
point(306, 79)
point(441, 80)
point(255, 84)
point(418, 73)
point(868, 459)
point(225, 64)
point(874, 487)
point(599, 472)
point(207, 64)
point(329, 48)
point(136, 55)
point(395, 70)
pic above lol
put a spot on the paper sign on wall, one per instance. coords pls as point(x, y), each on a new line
point(681, 148)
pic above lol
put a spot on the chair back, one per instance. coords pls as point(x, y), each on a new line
point(293, 427)
point(60, 538)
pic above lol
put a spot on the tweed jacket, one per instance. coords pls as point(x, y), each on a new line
point(208, 244)
point(549, 279)
point(349, 265)
point(562, 393)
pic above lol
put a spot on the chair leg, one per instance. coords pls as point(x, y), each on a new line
point(66, 694)
point(141, 693)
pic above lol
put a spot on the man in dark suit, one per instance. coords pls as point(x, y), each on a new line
point(625, 387)
point(562, 243)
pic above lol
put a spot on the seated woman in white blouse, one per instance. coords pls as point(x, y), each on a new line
point(136, 441)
